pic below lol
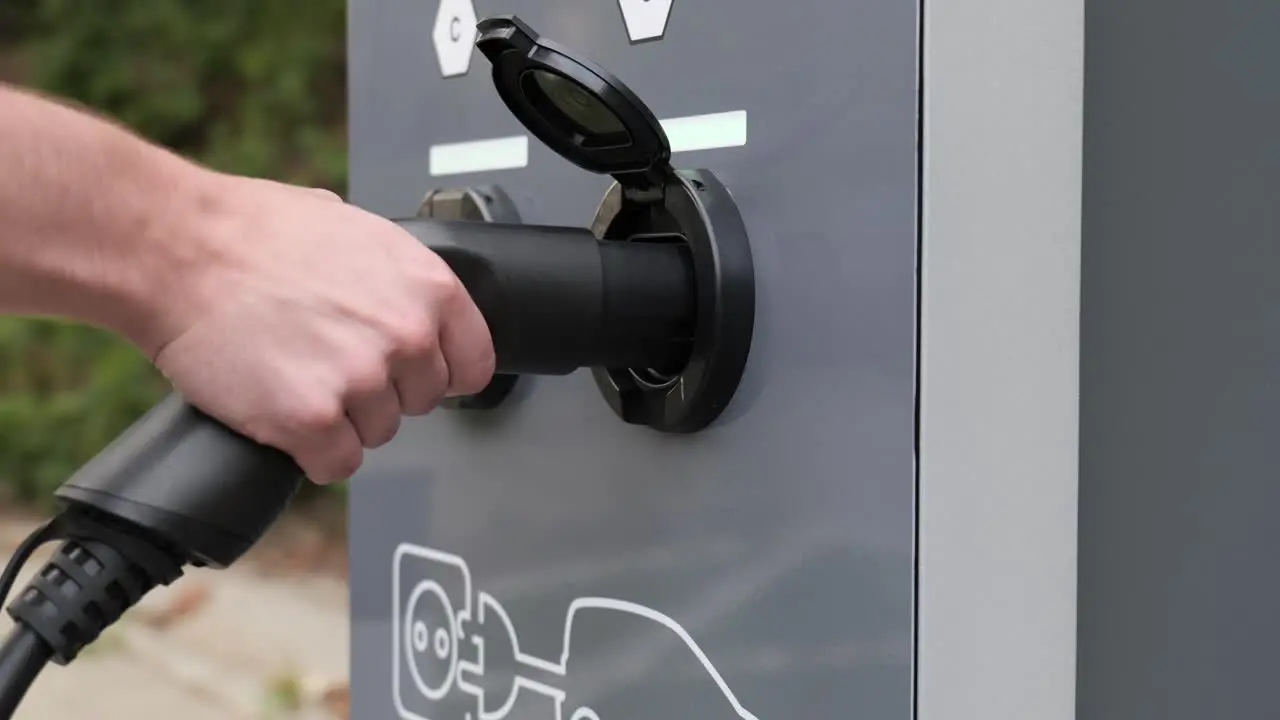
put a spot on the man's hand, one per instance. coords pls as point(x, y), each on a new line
point(298, 320)
point(311, 325)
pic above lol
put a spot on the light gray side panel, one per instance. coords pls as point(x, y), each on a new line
point(999, 359)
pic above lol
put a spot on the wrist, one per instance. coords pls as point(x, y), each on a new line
point(161, 283)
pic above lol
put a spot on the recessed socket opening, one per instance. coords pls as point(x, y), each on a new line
point(693, 209)
point(653, 379)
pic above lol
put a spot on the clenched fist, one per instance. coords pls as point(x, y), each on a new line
point(295, 318)
point(313, 326)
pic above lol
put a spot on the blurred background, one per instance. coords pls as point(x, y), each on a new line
point(256, 87)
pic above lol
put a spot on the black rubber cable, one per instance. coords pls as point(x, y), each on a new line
point(98, 572)
point(23, 654)
point(22, 657)
point(43, 534)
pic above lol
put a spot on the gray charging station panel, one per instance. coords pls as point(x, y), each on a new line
point(546, 560)
point(780, 543)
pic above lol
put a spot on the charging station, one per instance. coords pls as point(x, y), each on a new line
point(872, 515)
point(1002, 445)
point(885, 360)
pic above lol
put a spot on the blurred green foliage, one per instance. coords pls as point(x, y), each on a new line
point(255, 87)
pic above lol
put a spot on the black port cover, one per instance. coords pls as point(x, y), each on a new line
point(574, 106)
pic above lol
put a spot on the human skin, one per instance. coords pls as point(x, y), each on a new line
point(295, 318)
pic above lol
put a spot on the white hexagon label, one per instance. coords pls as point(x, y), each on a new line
point(645, 19)
point(454, 36)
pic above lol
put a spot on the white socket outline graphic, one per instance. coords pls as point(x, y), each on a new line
point(489, 603)
point(399, 636)
point(433, 644)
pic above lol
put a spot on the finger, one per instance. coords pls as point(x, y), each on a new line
point(327, 194)
point(375, 416)
point(332, 456)
point(421, 380)
point(467, 346)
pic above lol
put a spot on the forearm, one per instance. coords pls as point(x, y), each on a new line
point(91, 216)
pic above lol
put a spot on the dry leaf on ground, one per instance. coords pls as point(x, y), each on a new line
point(334, 696)
point(337, 700)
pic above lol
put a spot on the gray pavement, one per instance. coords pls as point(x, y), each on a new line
point(217, 644)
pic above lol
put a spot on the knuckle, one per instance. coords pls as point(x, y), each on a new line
point(429, 388)
point(417, 337)
point(478, 373)
point(318, 415)
point(444, 286)
point(315, 471)
point(332, 467)
point(325, 194)
point(471, 372)
point(422, 407)
point(347, 464)
point(367, 376)
point(385, 434)
point(428, 392)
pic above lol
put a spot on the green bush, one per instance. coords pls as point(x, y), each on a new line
point(255, 87)
point(65, 391)
point(249, 86)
